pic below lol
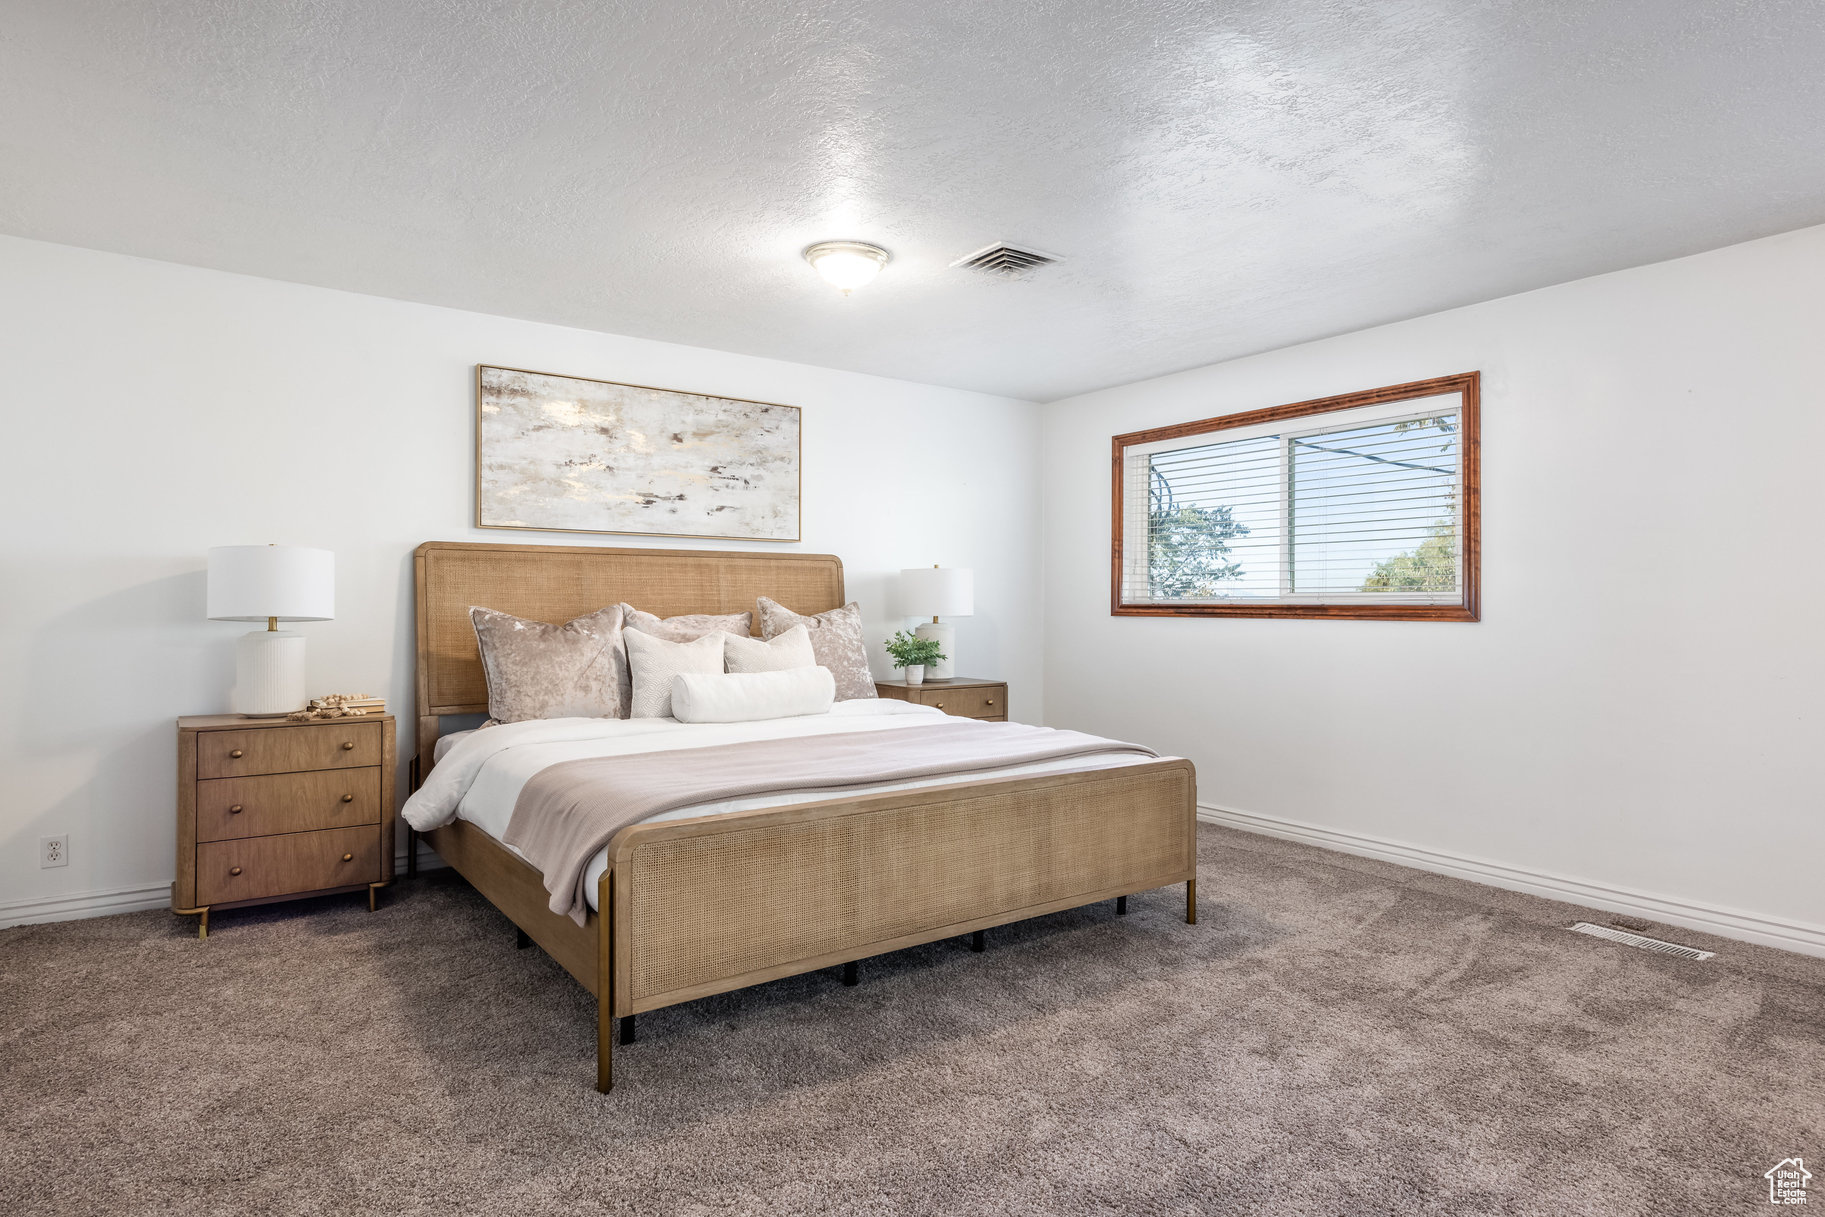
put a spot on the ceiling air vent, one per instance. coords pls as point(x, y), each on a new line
point(1004, 259)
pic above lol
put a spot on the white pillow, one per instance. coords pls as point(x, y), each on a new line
point(747, 697)
point(790, 650)
point(655, 661)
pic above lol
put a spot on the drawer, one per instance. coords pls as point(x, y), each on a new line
point(254, 867)
point(286, 802)
point(233, 754)
point(976, 701)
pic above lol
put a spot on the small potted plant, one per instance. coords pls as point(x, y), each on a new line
point(914, 654)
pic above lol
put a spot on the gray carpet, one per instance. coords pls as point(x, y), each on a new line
point(1335, 1036)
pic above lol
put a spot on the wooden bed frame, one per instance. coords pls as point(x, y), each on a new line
point(705, 905)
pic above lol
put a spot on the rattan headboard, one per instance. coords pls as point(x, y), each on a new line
point(556, 583)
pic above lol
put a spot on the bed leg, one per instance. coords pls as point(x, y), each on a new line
point(1191, 902)
point(628, 1032)
point(605, 984)
point(849, 973)
point(1121, 906)
point(412, 852)
point(605, 1048)
point(520, 940)
point(979, 941)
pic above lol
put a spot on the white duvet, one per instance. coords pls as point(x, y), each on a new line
point(480, 777)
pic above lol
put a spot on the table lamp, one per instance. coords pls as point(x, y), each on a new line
point(270, 583)
point(939, 592)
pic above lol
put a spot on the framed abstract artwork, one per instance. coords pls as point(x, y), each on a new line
point(566, 454)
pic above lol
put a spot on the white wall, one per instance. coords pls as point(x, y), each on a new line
point(154, 410)
point(1638, 711)
point(1634, 718)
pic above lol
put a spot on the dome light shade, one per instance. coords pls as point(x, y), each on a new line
point(847, 265)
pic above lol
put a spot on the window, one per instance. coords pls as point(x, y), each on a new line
point(1357, 506)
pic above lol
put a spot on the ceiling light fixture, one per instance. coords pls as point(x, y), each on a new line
point(847, 265)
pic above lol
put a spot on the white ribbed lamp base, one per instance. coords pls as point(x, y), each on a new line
point(946, 636)
point(269, 672)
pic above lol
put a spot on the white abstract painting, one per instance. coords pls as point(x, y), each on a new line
point(574, 455)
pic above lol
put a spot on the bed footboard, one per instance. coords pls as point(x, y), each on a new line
point(706, 905)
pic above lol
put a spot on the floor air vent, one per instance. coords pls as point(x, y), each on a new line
point(1004, 259)
point(1641, 941)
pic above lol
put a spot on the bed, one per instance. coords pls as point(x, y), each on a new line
point(688, 906)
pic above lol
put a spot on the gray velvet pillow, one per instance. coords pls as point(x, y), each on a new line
point(689, 626)
point(538, 670)
point(836, 642)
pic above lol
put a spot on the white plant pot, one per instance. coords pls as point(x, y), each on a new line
point(915, 674)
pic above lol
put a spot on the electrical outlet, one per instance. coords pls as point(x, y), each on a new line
point(54, 851)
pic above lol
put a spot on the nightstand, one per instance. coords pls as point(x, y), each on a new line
point(269, 809)
point(965, 696)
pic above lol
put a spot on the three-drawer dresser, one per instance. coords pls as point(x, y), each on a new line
point(275, 810)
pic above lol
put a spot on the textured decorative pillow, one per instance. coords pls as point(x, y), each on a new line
point(790, 650)
point(750, 697)
point(836, 641)
point(688, 626)
point(537, 670)
point(655, 661)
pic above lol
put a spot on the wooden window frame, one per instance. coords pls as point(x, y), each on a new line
point(1466, 384)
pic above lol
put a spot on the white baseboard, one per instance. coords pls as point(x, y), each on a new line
point(1797, 936)
point(74, 906)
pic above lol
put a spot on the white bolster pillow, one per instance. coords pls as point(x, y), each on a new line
point(747, 697)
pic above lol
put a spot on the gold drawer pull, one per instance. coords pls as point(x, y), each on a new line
point(236, 754)
point(348, 746)
point(235, 810)
point(234, 870)
point(348, 857)
point(991, 701)
point(348, 798)
point(938, 704)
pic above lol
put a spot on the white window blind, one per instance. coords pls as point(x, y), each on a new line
point(1359, 505)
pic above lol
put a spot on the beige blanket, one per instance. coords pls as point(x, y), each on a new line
point(570, 810)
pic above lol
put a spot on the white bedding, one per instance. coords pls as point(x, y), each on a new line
point(446, 742)
point(480, 777)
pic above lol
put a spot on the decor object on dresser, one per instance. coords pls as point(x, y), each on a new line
point(276, 811)
point(340, 705)
point(964, 696)
point(836, 642)
point(914, 655)
point(946, 591)
point(270, 583)
point(569, 454)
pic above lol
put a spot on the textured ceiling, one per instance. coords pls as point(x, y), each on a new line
point(1221, 177)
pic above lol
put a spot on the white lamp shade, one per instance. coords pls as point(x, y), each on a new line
point(936, 591)
point(255, 582)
